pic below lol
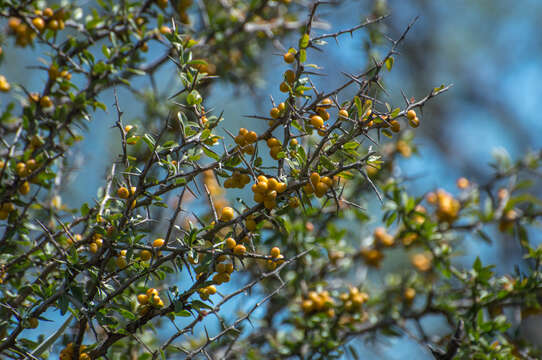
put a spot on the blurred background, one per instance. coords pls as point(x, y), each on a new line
point(490, 50)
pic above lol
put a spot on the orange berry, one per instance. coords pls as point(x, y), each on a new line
point(272, 184)
point(414, 122)
point(227, 214)
point(289, 75)
point(317, 121)
point(272, 142)
point(411, 114)
point(275, 113)
point(343, 114)
point(251, 137)
point(158, 243)
point(38, 23)
point(284, 87)
point(395, 126)
point(239, 249)
point(46, 102)
point(315, 179)
point(462, 183)
point(230, 243)
point(48, 12)
point(289, 57)
point(123, 193)
point(321, 189)
point(275, 252)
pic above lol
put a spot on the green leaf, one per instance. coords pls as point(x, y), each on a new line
point(389, 63)
point(302, 55)
point(194, 98)
point(352, 145)
point(304, 41)
point(149, 140)
point(211, 153)
point(357, 101)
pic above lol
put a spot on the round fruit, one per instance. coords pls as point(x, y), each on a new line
point(317, 121)
point(24, 188)
point(145, 255)
point(123, 193)
point(142, 299)
point(284, 87)
point(289, 75)
point(230, 243)
point(275, 252)
point(395, 126)
point(275, 113)
point(227, 214)
point(38, 23)
point(411, 114)
point(239, 249)
point(289, 57)
point(315, 179)
point(158, 242)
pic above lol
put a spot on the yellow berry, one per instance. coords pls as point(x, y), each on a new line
point(45, 101)
point(343, 114)
point(24, 188)
point(395, 126)
point(411, 114)
point(38, 23)
point(123, 193)
point(158, 243)
point(93, 247)
point(275, 113)
point(48, 12)
point(275, 252)
point(239, 249)
point(145, 255)
point(409, 294)
point(142, 299)
point(230, 243)
point(273, 142)
point(462, 183)
point(317, 121)
point(227, 214)
point(20, 169)
point(315, 179)
point(251, 225)
point(121, 262)
point(414, 122)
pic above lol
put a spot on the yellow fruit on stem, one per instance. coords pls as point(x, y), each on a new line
point(227, 214)
point(317, 121)
point(230, 243)
point(123, 193)
point(142, 299)
point(158, 242)
point(275, 252)
point(145, 255)
point(289, 57)
point(239, 249)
